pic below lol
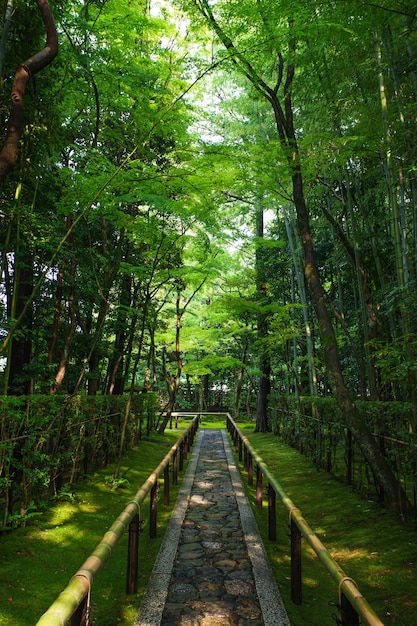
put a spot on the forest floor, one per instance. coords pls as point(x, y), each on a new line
point(375, 548)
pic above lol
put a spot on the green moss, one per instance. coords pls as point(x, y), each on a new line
point(37, 561)
point(373, 547)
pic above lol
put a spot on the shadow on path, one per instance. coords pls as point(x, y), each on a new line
point(212, 568)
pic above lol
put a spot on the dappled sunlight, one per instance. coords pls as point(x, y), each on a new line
point(62, 514)
point(64, 534)
point(282, 559)
point(346, 554)
point(203, 484)
point(310, 582)
point(38, 560)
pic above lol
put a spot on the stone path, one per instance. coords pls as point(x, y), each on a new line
point(212, 568)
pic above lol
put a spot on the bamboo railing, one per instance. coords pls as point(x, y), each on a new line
point(352, 605)
point(73, 604)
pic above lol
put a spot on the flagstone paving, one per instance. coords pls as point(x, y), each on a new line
point(212, 568)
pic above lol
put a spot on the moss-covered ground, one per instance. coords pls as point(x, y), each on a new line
point(37, 561)
point(374, 548)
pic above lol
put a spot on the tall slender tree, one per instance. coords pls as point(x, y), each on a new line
point(279, 96)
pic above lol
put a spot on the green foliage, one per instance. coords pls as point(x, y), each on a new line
point(49, 443)
point(145, 159)
point(316, 428)
point(116, 483)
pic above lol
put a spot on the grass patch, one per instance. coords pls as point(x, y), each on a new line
point(37, 561)
point(373, 546)
point(214, 421)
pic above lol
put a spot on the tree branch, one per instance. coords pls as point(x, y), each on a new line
point(29, 68)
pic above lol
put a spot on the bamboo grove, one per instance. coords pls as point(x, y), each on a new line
point(212, 204)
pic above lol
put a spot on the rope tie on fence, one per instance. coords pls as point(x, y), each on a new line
point(291, 511)
point(136, 504)
point(85, 617)
point(343, 580)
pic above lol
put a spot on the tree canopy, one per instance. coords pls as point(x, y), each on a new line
point(212, 200)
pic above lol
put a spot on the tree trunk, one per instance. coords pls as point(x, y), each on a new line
point(115, 376)
point(264, 387)
point(204, 392)
point(239, 383)
point(298, 267)
point(395, 496)
point(173, 380)
point(29, 68)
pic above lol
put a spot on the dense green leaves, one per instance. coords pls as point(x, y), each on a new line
point(150, 149)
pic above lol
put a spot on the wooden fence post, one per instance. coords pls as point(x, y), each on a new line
point(175, 468)
point(153, 511)
point(250, 469)
point(181, 464)
point(272, 514)
point(296, 584)
point(348, 615)
point(166, 485)
point(258, 497)
point(133, 556)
